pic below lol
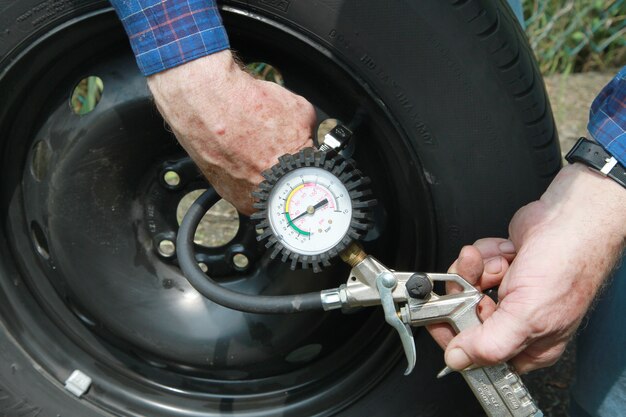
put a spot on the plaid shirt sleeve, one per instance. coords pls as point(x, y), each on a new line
point(168, 33)
point(607, 118)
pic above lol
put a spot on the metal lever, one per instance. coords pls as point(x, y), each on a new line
point(498, 388)
point(386, 282)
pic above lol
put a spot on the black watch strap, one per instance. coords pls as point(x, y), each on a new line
point(594, 155)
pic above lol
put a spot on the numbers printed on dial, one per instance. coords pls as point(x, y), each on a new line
point(310, 210)
point(306, 212)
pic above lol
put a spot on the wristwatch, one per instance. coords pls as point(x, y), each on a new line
point(594, 156)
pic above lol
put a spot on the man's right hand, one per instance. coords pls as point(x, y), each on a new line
point(232, 125)
point(561, 249)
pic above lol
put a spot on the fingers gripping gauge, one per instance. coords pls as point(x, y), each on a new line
point(311, 207)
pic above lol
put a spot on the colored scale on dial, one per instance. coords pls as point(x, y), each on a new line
point(310, 210)
point(298, 206)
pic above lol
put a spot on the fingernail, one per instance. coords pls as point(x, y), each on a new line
point(457, 359)
point(493, 266)
point(507, 247)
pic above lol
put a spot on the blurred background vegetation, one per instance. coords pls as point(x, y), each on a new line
point(580, 45)
point(577, 35)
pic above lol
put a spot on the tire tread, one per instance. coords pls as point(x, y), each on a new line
point(520, 74)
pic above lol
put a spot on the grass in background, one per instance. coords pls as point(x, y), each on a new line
point(577, 35)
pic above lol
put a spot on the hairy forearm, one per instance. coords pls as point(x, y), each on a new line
point(232, 125)
point(589, 209)
point(208, 85)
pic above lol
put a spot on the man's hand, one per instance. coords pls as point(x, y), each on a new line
point(567, 243)
point(232, 125)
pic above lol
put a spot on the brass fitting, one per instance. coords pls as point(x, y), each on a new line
point(353, 254)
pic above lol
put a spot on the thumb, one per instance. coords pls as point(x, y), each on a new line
point(498, 339)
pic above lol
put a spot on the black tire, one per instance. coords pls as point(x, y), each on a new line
point(456, 80)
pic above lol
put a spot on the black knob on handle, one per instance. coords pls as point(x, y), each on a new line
point(419, 286)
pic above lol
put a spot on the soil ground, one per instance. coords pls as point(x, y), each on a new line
point(571, 97)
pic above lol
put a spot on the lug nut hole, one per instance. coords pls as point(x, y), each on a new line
point(166, 248)
point(241, 261)
point(171, 178)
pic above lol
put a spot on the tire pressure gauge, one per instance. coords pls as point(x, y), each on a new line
point(312, 205)
point(310, 210)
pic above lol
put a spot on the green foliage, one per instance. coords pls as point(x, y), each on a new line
point(263, 71)
point(86, 95)
point(577, 35)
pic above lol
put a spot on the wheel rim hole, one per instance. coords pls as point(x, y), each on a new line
point(86, 95)
point(241, 261)
point(325, 126)
point(40, 160)
point(39, 240)
point(171, 178)
point(218, 226)
point(304, 354)
point(266, 72)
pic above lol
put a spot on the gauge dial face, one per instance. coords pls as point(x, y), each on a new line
point(309, 210)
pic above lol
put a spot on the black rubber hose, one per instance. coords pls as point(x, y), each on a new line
point(212, 290)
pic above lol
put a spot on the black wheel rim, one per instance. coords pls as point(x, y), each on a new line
point(81, 235)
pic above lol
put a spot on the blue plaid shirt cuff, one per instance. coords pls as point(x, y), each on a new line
point(607, 118)
point(168, 33)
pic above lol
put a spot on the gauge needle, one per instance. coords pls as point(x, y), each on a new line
point(311, 209)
